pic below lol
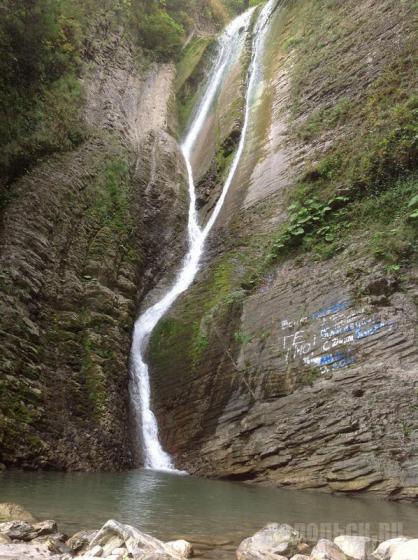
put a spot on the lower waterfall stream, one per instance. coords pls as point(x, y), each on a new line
point(230, 44)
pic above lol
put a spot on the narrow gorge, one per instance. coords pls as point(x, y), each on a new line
point(209, 241)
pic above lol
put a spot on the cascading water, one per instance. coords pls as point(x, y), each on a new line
point(230, 45)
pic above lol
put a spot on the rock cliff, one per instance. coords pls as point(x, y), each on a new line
point(83, 238)
point(292, 360)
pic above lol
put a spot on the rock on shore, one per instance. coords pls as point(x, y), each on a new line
point(282, 542)
point(20, 540)
point(10, 512)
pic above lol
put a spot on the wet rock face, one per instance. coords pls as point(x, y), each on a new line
point(84, 237)
point(303, 375)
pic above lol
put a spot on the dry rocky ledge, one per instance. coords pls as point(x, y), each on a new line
point(22, 540)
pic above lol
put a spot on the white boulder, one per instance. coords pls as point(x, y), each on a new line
point(406, 551)
point(114, 543)
point(271, 543)
point(385, 550)
point(327, 550)
point(117, 535)
point(96, 551)
point(358, 548)
point(19, 551)
point(181, 547)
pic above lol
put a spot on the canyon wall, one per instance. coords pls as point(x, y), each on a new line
point(85, 234)
point(81, 241)
point(293, 358)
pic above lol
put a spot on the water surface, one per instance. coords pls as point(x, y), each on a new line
point(206, 511)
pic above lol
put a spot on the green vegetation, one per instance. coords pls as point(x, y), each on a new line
point(97, 364)
point(191, 56)
point(311, 375)
point(407, 429)
point(39, 106)
point(195, 329)
point(366, 177)
point(190, 75)
point(376, 173)
point(19, 414)
point(242, 337)
point(42, 44)
point(160, 33)
point(325, 119)
point(237, 6)
point(393, 231)
point(110, 207)
point(307, 220)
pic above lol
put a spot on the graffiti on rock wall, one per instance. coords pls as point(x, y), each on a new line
point(327, 337)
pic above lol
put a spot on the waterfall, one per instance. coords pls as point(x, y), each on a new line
point(230, 45)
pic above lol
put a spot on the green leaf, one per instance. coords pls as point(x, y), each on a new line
point(316, 205)
point(324, 229)
point(298, 231)
point(414, 214)
point(304, 220)
point(413, 201)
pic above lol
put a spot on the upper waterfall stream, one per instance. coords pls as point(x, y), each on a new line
point(230, 43)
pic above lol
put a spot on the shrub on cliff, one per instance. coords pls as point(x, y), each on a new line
point(160, 33)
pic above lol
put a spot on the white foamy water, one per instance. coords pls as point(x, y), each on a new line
point(231, 44)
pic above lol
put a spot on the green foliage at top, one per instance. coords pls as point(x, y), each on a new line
point(371, 167)
point(362, 142)
point(39, 46)
point(238, 6)
point(161, 26)
point(162, 34)
point(158, 32)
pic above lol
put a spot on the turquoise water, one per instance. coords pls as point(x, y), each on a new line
point(168, 506)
